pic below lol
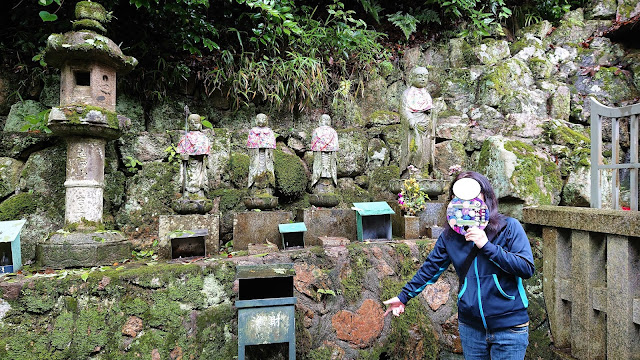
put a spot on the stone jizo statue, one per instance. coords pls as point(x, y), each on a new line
point(193, 147)
point(324, 144)
point(261, 143)
point(417, 117)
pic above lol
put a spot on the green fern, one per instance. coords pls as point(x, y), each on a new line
point(406, 22)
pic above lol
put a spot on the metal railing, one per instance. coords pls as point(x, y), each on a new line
point(598, 167)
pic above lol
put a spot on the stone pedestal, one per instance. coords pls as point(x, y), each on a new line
point(430, 220)
point(258, 227)
point(83, 250)
point(171, 223)
point(328, 222)
point(85, 180)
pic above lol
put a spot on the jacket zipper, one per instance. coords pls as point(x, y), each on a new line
point(475, 264)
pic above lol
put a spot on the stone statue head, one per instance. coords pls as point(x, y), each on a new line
point(195, 122)
point(261, 120)
point(325, 120)
point(419, 76)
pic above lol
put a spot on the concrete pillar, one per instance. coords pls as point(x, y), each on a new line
point(85, 179)
point(588, 271)
point(557, 272)
point(622, 334)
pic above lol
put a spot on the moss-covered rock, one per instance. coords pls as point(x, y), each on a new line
point(18, 206)
point(291, 178)
point(353, 152)
point(131, 108)
point(516, 171)
point(19, 111)
point(149, 194)
point(9, 176)
point(502, 80)
point(239, 170)
point(491, 51)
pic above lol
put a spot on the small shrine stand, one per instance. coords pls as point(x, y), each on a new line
point(373, 220)
point(10, 254)
point(292, 235)
point(266, 306)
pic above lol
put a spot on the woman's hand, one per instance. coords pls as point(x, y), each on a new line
point(395, 306)
point(478, 236)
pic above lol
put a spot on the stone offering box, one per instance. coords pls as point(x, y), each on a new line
point(10, 255)
point(188, 235)
point(292, 235)
point(266, 307)
point(373, 220)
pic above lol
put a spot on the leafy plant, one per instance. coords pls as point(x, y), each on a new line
point(146, 254)
point(173, 156)
point(132, 164)
point(411, 198)
point(37, 122)
point(406, 22)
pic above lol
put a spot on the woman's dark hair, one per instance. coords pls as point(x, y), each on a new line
point(496, 220)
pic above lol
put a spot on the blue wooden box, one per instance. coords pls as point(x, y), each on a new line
point(10, 253)
point(292, 235)
point(373, 220)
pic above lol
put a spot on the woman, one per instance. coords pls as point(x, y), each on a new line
point(490, 263)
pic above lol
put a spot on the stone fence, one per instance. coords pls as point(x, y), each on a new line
point(591, 284)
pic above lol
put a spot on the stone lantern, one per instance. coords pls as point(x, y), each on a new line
point(86, 119)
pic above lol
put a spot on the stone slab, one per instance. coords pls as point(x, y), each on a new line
point(258, 227)
point(332, 241)
point(599, 298)
point(433, 214)
point(170, 223)
point(82, 250)
point(626, 223)
point(636, 311)
point(328, 222)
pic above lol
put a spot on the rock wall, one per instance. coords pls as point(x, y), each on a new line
point(185, 311)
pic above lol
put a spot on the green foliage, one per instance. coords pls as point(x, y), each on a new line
point(132, 164)
point(406, 22)
point(172, 154)
point(37, 122)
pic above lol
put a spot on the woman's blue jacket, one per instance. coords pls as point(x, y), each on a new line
point(492, 295)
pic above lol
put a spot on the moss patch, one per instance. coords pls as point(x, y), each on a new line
point(352, 283)
point(18, 206)
point(291, 178)
point(531, 171)
point(239, 170)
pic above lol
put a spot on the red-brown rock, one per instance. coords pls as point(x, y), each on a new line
point(132, 327)
point(437, 294)
point(363, 327)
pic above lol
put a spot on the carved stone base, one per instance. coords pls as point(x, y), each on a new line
point(83, 250)
point(328, 222)
point(262, 203)
point(253, 227)
point(188, 206)
point(324, 200)
point(188, 223)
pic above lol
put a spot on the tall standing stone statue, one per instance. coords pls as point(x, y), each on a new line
point(324, 144)
point(193, 147)
point(418, 121)
point(261, 181)
point(86, 119)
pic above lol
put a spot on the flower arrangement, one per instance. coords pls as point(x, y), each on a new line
point(411, 198)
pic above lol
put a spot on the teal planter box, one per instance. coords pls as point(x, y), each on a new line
point(292, 235)
point(266, 307)
point(10, 253)
point(373, 220)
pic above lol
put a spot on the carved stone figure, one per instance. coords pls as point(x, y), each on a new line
point(324, 144)
point(261, 143)
point(193, 147)
point(417, 117)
